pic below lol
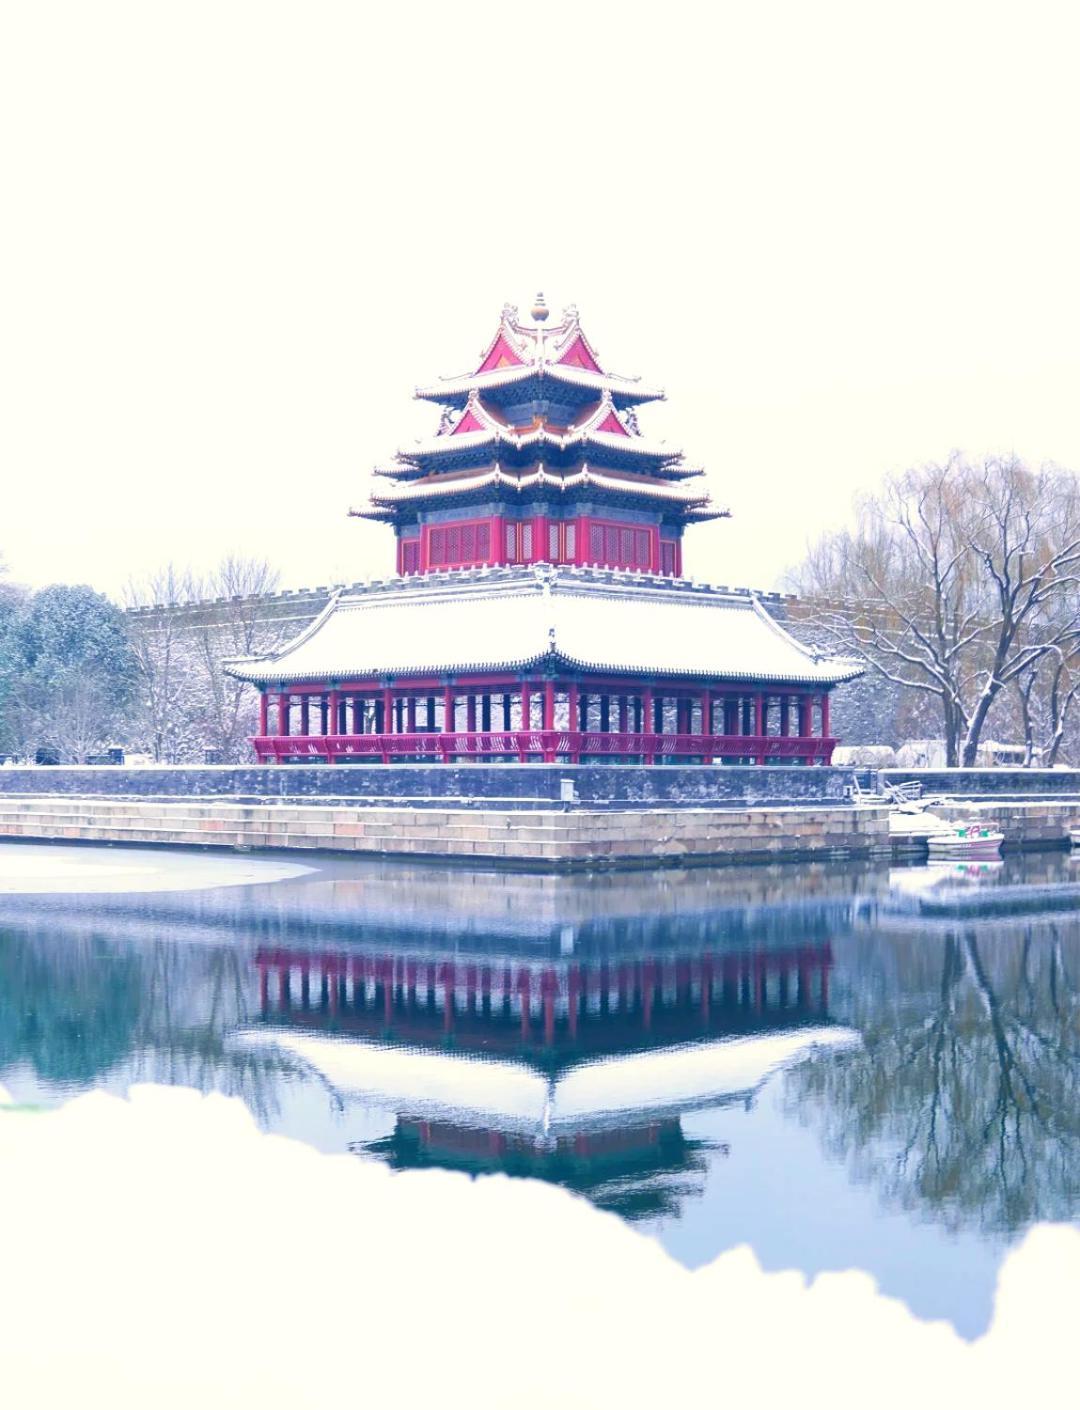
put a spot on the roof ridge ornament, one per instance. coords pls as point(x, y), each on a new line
point(540, 310)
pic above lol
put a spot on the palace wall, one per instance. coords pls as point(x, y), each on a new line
point(619, 787)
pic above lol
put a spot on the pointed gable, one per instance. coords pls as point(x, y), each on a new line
point(579, 354)
point(612, 426)
point(500, 354)
point(469, 422)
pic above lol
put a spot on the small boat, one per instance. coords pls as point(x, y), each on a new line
point(970, 839)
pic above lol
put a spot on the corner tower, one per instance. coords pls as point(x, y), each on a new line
point(539, 458)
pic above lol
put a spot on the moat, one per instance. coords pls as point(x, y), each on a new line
point(843, 1067)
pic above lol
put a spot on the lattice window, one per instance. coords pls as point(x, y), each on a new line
point(511, 543)
point(553, 543)
point(667, 557)
point(642, 549)
point(526, 543)
point(570, 542)
point(410, 555)
point(596, 543)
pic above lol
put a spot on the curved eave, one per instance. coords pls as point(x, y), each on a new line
point(455, 391)
point(539, 482)
point(262, 672)
point(442, 447)
point(376, 515)
point(409, 472)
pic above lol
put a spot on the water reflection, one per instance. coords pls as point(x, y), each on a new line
point(632, 1037)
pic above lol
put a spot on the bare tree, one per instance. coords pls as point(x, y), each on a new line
point(1024, 533)
point(1046, 692)
point(956, 580)
point(238, 630)
point(171, 698)
point(82, 717)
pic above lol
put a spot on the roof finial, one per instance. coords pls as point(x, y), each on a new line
point(539, 309)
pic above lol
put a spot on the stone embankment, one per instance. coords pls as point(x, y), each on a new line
point(1032, 808)
point(574, 837)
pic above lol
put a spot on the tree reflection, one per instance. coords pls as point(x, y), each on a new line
point(968, 1104)
point(76, 1010)
point(69, 1013)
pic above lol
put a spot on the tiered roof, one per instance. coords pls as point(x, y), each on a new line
point(539, 413)
point(510, 619)
point(522, 353)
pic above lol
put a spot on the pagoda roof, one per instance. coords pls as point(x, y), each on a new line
point(514, 1096)
point(519, 352)
point(531, 481)
point(509, 619)
point(480, 428)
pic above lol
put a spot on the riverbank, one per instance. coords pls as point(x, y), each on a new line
point(571, 837)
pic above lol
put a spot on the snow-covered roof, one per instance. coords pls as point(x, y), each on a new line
point(529, 481)
point(479, 426)
point(515, 1096)
point(508, 619)
point(520, 351)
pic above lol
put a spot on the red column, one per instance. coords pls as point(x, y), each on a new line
point(470, 713)
point(759, 719)
point(283, 713)
point(264, 716)
point(448, 717)
point(304, 718)
point(387, 720)
point(526, 716)
point(410, 714)
point(572, 718)
point(647, 720)
point(333, 719)
point(805, 711)
point(624, 715)
point(706, 719)
point(805, 717)
point(549, 705)
point(731, 716)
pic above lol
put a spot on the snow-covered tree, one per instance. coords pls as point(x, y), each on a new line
point(70, 673)
point(956, 581)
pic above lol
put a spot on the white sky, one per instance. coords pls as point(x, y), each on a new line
point(236, 235)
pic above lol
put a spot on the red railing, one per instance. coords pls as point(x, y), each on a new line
point(550, 745)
